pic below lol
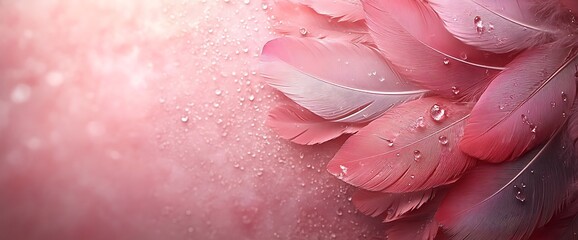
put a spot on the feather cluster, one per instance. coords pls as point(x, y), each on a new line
point(462, 114)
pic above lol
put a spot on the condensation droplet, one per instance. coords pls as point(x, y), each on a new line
point(218, 92)
point(185, 119)
point(412, 176)
point(533, 128)
point(553, 104)
point(420, 122)
point(446, 61)
point(437, 113)
point(564, 97)
point(519, 194)
point(264, 6)
point(251, 97)
point(479, 24)
point(443, 140)
point(416, 155)
point(455, 90)
point(246, 1)
point(303, 31)
point(563, 114)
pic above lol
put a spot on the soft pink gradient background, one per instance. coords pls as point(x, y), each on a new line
point(145, 120)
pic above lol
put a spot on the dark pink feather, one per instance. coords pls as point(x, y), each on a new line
point(406, 149)
point(390, 206)
point(523, 106)
point(343, 10)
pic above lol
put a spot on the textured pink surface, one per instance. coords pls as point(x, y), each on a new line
point(145, 120)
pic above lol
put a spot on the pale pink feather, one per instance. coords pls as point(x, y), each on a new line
point(300, 126)
point(390, 206)
point(412, 37)
point(412, 147)
point(343, 10)
point(302, 21)
point(523, 106)
point(504, 25)
point(337, 80)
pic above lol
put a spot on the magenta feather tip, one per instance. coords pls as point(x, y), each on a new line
point(462, 114)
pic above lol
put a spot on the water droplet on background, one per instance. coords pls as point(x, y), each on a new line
point(519, 194)
point(446, 61)
point(437, 113)
point(303, 31)
point(564, 97)
point(185, 119)
point(455, 90)
point(420, 122)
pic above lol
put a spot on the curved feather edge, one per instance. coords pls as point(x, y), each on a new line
point(343, 10)
point(505, 26)
point(302, 21)
point(523, 106)
point(407, 149)
point(303, 127)
point(510, 200)
point(390, 206)
point(337, 80)
point(418, 224)
point(421, 56)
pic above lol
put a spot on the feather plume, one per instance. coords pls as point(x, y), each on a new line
point(354, 83)
point(343, 10)
point(412, 147)
point(390, 206)
point(510, 200)
point(412, 37)
point(302, 21)
point(300, 126)
point(523, 106)
point(506, 25)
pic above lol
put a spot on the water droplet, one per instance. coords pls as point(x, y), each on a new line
point(251, 97)
point(381, 79)
point(389, 142)
point(519, 194)
point(416, 155)
point(563, 114)
point(218, 92)
point(464, 56)
point(455, 90)
point(264, 6)
point(479, 24)
point(184, 119)
point(420, 122)
point(303, 31)
point(533, 128)
point(564, 97)
point(446, 61)
point(443, 140)
point(343, 169)
point(246, 1)
point(437, 113)
point(412, 176)
point(501, 107)
point(339, 212)
point(553, 104)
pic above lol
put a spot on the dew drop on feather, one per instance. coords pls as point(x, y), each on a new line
point(437, 113)
point(443, 140)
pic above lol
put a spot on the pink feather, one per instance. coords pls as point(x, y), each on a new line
point(302, 21)
point(300, 126)
point(504, 25)
point(353, 83)
point(512, 199)
point(523, 106)
point(418, 224)
point(343, 10)
point(412, 147)
point(412, 37)
point(391, 206)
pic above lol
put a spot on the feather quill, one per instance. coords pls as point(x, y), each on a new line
point(353, 83)
point(412, 147)
point(300, 126)
point(512, 199)
point(504, 25)
point(412, 37)
point(523, 106)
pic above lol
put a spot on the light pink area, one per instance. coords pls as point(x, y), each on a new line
point(145, 120)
